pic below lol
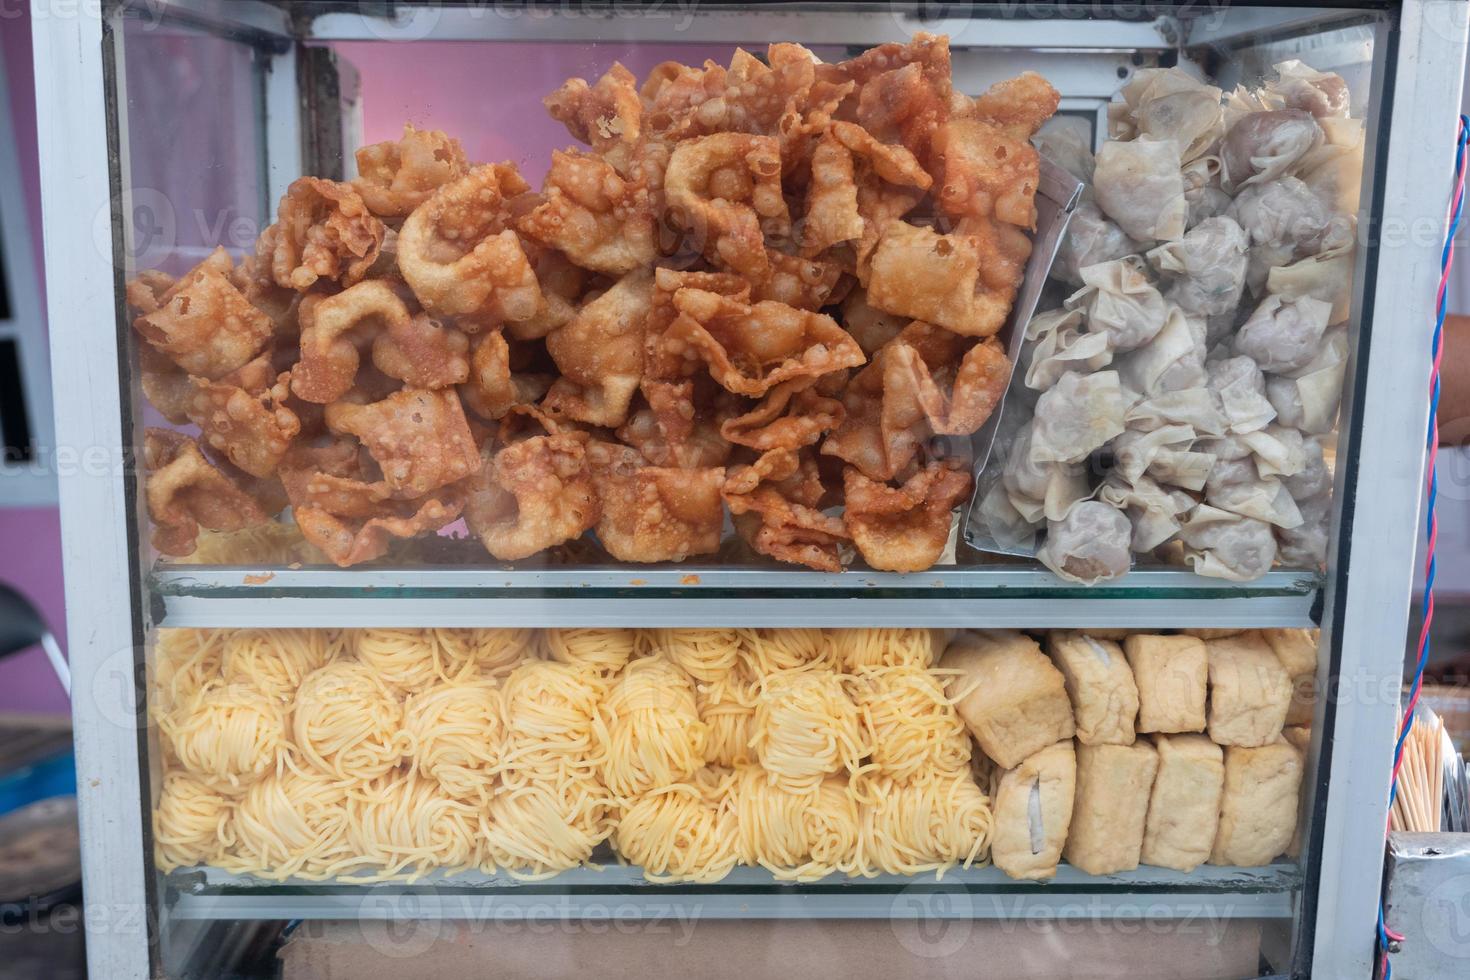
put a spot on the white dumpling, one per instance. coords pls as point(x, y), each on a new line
point(1297, 86)
point(1305, 546)
point(1198, 408)
point(1206, 268)
point(1092, 238)
point(1326, 276)
point(1314, 479)
point(1169, 103)
point(1281, 212)
point(1220, 544)
point(1262, 146)
point(1173, 361)
point(1308, 398)
point(1138, 185)
point(1090, 545)
point(1008, 527)
point(1264, 499)
point(1059, 345)
point(1076, 415)
point(1040, 491)
point(1241, 388)
point(1227, 448)
point(1121, 303)
point(1152, 510)
point(1135, 450)
point(1206, 203)
point(1283, 334)
point(1278, 451)
point(1067, 142)
point(1232, 472)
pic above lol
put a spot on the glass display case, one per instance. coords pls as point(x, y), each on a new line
point(450, 539)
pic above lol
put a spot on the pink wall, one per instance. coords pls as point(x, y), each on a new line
point(489, 95)
point(30, 538)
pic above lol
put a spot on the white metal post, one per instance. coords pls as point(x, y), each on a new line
point(1393, 409)
point(76, 200)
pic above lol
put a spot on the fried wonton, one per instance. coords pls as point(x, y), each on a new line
point(919, 273)
point(336, 330)
point(606, 116)
point(419, 438)
point(776, 502)
point(185, 491)
point(422, 352)
point(460, 256)
point(592, 215)
point(676, 360)
point(903, 90)
point(858, 187)
point(724, 190)
point(680, 427)
point(249, 423)
point(987, 165)
point(600, 354)
point(350, 542)
point(751, 348)
point(563, 284)
point(323, 230)
point(396, 176)
point(493, 387)
point(793, 414)
point(807, 284)
point(531, 495)
point(903, 529)
point(922, 383)
point(202, 322)
point(655, 513)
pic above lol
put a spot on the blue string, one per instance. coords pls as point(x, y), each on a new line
point(1429, 512)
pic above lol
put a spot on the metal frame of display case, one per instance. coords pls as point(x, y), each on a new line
point(115, 602)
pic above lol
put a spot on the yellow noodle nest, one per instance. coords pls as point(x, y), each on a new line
point(683, 832)
point(192, 823)
point(932, 822)
point(414, 660)
point(406, 823)
point(806, 728)
point(548, 825)
point(458, 736)
point(276, 661)
point(705, 655)
point(347, 723)
point(649, 731)
point(292, 824)
point(727, 707)
point(603, 652)
point(226, 735)
point(912, 726)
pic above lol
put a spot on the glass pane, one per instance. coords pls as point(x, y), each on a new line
point(582, 454)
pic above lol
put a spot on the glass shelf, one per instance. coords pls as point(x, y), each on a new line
point(693, 595)
point(978, 893)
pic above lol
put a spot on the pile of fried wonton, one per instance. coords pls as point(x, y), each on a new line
point(766, 288)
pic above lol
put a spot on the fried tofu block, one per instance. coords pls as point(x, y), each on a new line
point(1171, 674)
point(1100, 685)
point(1249, 691)
point(1108, 814)
point(1258, 808)
point(1016, 701)
point(1184, 807)
point(1210, 634)
point(1032, 811)
point(1297, 651)
point(1300, 738)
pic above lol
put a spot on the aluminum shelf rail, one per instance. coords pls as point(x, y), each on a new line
point(223, 596)
point(621, 892)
